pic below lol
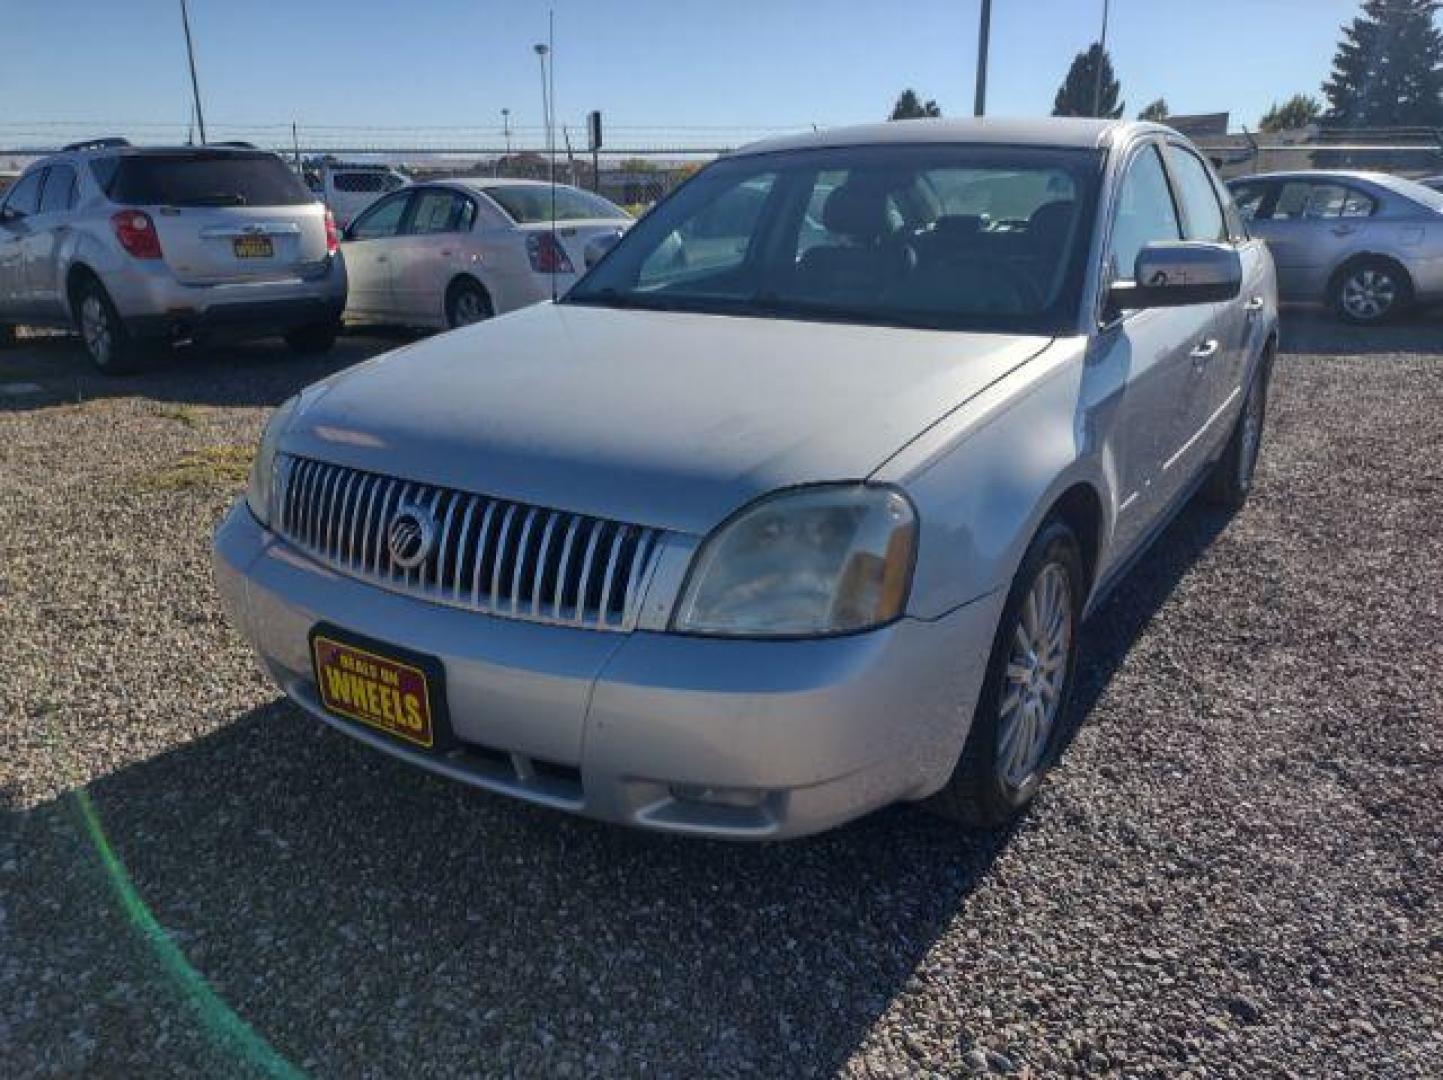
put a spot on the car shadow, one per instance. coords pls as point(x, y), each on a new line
point(49, 369)
point(1310, 330)
point(361, 916)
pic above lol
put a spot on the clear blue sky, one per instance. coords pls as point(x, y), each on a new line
point(669, 65)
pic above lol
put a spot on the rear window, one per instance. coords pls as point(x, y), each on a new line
point(200, 179)
point(527, 204)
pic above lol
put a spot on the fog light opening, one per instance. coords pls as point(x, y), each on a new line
point(737, 798)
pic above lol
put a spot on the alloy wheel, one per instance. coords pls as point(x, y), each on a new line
point(1369, 294)
point(95, 329)
point(1035, 676)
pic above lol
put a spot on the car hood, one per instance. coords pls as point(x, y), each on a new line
point(666, 419)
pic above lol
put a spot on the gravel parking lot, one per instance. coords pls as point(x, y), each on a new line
point(1237, 870)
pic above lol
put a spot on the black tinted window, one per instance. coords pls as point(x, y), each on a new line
point(59, 191)
point(202, 179)
point(24, 197)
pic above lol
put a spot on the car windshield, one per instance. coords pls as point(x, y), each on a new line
point(964, 237)
point(527, 204)
point(197, 178)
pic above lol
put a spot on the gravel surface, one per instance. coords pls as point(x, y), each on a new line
point(1237, 869)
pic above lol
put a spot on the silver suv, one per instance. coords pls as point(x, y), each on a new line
point(140, 247)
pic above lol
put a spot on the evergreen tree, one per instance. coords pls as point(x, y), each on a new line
point(1389, 67)
point(1298, 111)
point(1156, 111)
point(1080, 93)
point(909, 107)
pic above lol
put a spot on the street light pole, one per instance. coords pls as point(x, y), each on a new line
point(984, 30)
point(1097, 75)
point(194, 83)
point(506, 127)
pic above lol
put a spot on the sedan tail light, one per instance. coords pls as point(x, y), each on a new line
point(333, 237)
point(136, 233)
point(547, 255)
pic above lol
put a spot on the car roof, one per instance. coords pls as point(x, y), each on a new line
point(1052, 132)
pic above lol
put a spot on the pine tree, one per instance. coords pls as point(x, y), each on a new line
point(1388, 70)
point(1079, 93)
point(909, 107)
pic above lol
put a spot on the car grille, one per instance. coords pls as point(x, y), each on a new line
point(490, 555)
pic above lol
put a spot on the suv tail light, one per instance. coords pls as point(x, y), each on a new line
point(136, 233)
point(547, 255)
point(333, 238)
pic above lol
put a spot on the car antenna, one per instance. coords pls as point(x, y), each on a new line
point(548, 110)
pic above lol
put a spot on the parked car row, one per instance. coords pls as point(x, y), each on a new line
point(137, 248)
point(793, 506)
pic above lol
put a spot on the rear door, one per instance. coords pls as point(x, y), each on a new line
point(48, 229)
point(367, 250)
point(1311, 227)
point(225, 216)
point(430, 251)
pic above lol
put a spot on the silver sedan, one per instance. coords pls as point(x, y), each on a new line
point(1369, 245)
point(453, 252)
point(796, 504)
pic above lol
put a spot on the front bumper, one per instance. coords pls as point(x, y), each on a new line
point(726, 738)
point(153, 304)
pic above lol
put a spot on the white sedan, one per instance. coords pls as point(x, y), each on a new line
point(453, 252)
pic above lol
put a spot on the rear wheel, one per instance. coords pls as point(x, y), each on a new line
point(1370, 290)
point(113, 350)
point(314, 338)
point(1232, 477)
point(1022, 710)
point(467, 303)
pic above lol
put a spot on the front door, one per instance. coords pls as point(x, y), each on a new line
point(367, 251)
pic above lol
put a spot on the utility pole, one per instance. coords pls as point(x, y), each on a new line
point(194, 82)
point(1097, 75)
point(506, 127)
point(984, 31)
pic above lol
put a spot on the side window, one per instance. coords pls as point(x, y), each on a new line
point(1337, 201)
point(1198, 196)
point(381, 220)
point(24, 197)
point(1292, 201)
point(712, 241)
point(1249, 199)
point(59, 193)
point(104, 169)
point(1144, 213)
point(436, 211)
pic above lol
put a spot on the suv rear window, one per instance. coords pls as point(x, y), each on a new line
point(201, 179)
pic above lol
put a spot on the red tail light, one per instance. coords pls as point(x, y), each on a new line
point(547, 254)
point(136, 233)
point(333, 238)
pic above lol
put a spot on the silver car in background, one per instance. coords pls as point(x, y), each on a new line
point(449, 253)
point(749, 543)
point(139, 247)
point(1369, 245)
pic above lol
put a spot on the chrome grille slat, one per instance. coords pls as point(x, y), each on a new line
point(525, 562)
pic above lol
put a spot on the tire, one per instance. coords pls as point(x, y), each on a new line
point(1370, 291)
point(7, 335)
point(112, 349)
point(314, 338)
point(1231, 481)
point(996, 776)
point(467, 303)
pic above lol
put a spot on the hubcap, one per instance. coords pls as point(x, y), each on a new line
point(1036, 672)
point(469, 309)
point(1369, 294)
point(95, 328)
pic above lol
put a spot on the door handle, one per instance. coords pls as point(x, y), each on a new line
point(1342, 230)
point(1204, 351)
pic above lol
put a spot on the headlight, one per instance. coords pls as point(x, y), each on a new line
point(821, 560)
point(263, 469)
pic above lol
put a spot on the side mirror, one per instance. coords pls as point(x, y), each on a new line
point(598, 246)
point(1174, 273)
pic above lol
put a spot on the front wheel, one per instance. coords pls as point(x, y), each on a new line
point(1021, 713)
point(315, 337)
